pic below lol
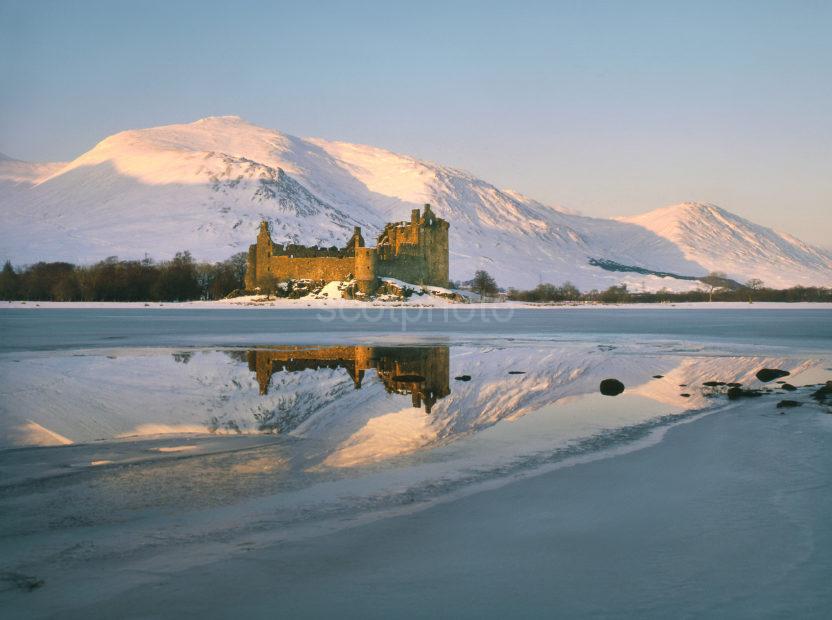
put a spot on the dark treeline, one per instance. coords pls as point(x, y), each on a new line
point(755, 291)
point(180, 279)
point(183, 279)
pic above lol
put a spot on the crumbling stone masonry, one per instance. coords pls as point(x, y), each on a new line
point(414, 251)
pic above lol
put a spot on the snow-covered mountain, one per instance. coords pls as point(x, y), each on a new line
point(721, 241)
point(206, 185)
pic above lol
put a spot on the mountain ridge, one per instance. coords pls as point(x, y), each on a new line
point(204, 186)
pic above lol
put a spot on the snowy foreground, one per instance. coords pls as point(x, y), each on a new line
point(610, 536)
point(721, 516)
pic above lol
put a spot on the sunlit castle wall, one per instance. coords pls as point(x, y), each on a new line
point(415, 251)
point(294, 262)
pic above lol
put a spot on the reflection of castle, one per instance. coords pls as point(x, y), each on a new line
point(422, 372)
point(415, 251)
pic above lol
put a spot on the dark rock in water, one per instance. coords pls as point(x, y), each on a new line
point(735, 392)
point(770, 374)
point(788, 387)
point(713, 383)
point(517, 372)
point(611, 387)
point(409, 378)
point(658, 376)
point(823, 392)
point(788, 404)
point(463, 378)
point(685, 395)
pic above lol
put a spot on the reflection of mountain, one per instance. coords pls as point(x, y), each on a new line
point(309, 393)
point(554, 379)
point(422, 372)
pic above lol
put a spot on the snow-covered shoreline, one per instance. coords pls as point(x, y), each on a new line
point(425, 302)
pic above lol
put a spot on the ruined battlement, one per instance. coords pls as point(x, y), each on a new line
point(415, 251)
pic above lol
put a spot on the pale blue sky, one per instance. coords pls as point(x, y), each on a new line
point(610, 108)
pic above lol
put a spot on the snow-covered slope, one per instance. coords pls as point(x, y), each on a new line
point(24, 173)
point(205, 186)
point(721, 241)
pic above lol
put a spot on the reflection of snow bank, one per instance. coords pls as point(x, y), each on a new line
point(33, 434)
point(693, 372)
point(151, 430)
point(140, 393)
point(392, 434)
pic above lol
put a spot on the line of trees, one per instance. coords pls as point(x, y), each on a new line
point(751, 291)
point(183, 279)
point(179, 279)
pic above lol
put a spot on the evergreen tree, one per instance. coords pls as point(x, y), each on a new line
point(9, 282)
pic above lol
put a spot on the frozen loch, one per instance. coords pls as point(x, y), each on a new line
point(422, 463)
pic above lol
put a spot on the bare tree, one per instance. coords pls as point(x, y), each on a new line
point(569, 291)
point(484, 284)
point(713, 281)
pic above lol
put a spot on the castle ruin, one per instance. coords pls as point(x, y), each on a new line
point(414, 251)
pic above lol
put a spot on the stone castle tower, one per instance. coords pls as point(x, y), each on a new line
point(414, 251)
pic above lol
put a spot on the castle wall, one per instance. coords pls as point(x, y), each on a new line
point(414, 251)
point(409, 266)
point(322, 268)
